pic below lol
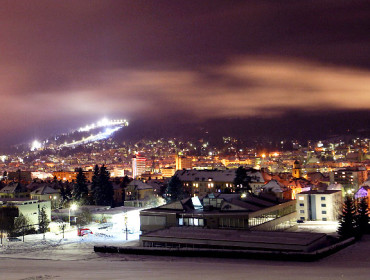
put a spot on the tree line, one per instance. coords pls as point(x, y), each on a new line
point(101, 192)
point(354, 220)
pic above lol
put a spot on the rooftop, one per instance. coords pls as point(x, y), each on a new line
point(262, 237)
point(320, 192)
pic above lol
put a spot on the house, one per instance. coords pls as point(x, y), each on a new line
point(14, 190)
point(319, 205)
point(318, 177)
point(298, 185)
point(158, 186)
point(118, 193)
point(45, 192)
point(138, 193)
point(277, 189)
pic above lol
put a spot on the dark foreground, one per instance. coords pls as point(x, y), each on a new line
point(352, 262)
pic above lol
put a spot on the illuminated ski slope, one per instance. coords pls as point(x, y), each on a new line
point(103, 123)
point(111, 126)
point(92, 138)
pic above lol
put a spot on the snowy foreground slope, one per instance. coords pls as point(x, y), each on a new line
point(73, 258)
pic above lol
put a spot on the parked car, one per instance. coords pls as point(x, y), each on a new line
point(13, 239)
point(83, 231)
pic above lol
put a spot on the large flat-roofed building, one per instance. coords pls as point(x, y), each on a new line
point(319, 205)
point(183, 162)
point(30, 208)
point(350, 178)
point(222, 211)
point(233, 239)
point(70, 176)
point(168, 172)
point(20, 176)
point(138, 166)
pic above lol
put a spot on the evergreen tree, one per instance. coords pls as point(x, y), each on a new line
point(175, 190)
point(347, 220)
point(43, 221)
point(21, 224)
point(242, 180)
point(95, 185)
point(80, 190)
point(363, 216)
point(105, 189)
point(65, 194)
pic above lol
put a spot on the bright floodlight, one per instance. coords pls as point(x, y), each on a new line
point(35, 145)
point(73, 207)
point(104, 121)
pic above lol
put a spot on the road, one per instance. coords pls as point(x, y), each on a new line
point(78, 261)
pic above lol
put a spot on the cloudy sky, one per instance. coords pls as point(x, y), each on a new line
point(67, 63)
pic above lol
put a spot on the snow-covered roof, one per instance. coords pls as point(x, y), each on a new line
point(336, 187)
point(140, 185)
point(273, 186)
point(13, 188)
point(45, 189)
point(366, 183)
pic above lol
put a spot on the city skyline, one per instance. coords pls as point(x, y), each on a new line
point(161, 63)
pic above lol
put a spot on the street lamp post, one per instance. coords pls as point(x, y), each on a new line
point(73, 207)
point(126, 230)
point(126, 227)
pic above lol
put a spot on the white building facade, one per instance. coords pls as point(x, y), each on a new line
point(319, 205)
point(31, 209)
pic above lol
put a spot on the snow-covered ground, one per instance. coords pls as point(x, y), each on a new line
point(72, 244)
point(319, 226)
point(73, 258)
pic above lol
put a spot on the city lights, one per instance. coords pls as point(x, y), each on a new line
point(36, 145)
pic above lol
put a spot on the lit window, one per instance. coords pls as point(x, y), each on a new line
point(301, 198)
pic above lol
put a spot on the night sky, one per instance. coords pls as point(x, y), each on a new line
point(65, 64)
